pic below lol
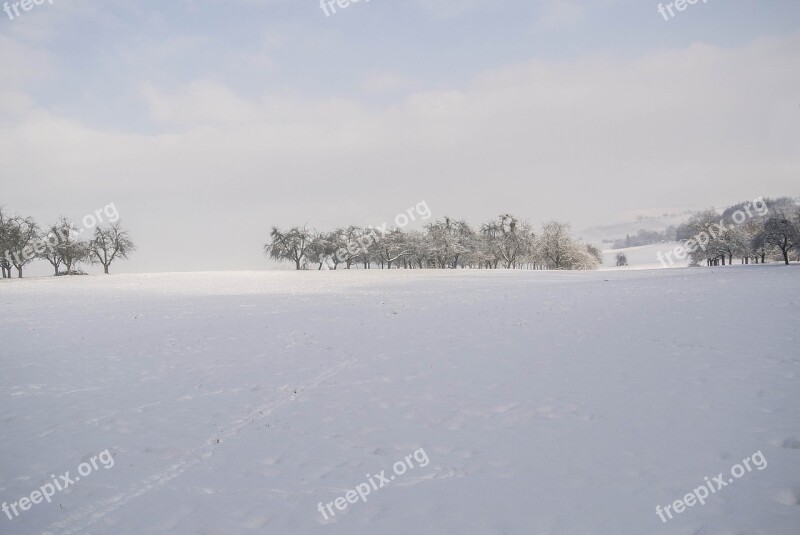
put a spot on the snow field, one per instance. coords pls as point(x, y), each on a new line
point(552, 403)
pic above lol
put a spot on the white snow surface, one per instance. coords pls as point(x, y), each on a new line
point(645, 257)
point(547, 402)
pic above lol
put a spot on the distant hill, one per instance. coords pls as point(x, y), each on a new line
point(605, 235)
point(651, 220)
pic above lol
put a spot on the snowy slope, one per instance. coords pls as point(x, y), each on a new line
point(630, 224)
point(547, 403)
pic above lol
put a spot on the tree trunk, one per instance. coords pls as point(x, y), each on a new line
point(19, 272)
point(105, 268)
point(785, 255)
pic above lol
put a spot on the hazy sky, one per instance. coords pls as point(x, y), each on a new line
point(207, 121)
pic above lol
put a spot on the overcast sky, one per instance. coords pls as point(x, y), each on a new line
point(207, 121)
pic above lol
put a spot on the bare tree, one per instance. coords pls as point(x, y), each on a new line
point(449, 240)
point(797, 226)
point(702, 227)
point(323, 247)
point(419, 249)
point(348, 242)
point(22, 240)
point(59, 246)
point(391, 248)
point(781, 232)
point(508, 239)
point(110, 243)
point(556, 245)
point(289, 246)
point(5, 245)
point(52, 236)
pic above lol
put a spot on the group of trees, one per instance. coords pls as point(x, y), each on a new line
point(745, 232)
point(504, 242)
point(23, 241)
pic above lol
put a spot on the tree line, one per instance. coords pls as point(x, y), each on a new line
point(23, 241)
point(750, 232)
point(504, 242)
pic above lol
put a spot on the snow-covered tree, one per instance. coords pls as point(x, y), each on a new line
point(557, 246)
point(782, 233)
point(290, 246)
point(5, 244)
point(508, 239)
point(392, 248)
point(321, 251)
point(593, 258)
point(419, 249)
point(450, 240)
point(700, 239)
point(22, 238)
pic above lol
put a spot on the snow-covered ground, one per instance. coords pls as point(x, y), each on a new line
point(545, 403)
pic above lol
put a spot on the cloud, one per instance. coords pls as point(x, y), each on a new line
point(200, 103)
point(385, 82)
point(577, 140)
point(22, 63)
point(562, 14)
